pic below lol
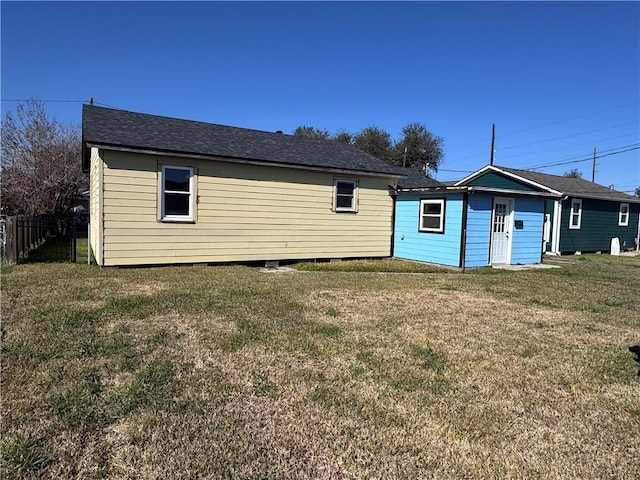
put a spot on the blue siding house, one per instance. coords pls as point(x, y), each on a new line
point(485, 219)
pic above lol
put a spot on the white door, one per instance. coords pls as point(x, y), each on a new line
point(501, 231)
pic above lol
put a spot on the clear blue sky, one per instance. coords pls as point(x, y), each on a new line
point(557, 79)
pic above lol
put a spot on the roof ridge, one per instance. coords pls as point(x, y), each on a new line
point(200, 122)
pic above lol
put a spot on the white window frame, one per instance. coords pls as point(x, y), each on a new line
point(421, 214)
point(573, 213)
point(623, 217)
point(354, 197)
point(190, 217)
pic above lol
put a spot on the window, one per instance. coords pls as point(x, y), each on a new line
point(177, 198)
point(623, 216)
point(575, 216)
point(431, 215)
point(346, 196)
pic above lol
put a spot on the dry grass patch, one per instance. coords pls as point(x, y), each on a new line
point(229, 373)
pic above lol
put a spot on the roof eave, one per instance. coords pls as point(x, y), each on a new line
point(474, 189)
point(169, 153)
point(434, 189)
point(600, 197)
point(508, 191)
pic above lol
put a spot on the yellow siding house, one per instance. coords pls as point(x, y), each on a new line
point(169, 191)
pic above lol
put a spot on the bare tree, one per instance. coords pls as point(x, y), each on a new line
point(40, 162)
point(573, 173)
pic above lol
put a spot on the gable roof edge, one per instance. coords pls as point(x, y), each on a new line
point(527, 181)
point(509, 175)
point(474, 175)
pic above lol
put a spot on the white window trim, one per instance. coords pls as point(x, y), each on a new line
point(624, 223)
point(354, 202)
point(192, 196)
point(578, 213)
point(421, 215)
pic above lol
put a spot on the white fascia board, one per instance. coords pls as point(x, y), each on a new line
point(527, 181)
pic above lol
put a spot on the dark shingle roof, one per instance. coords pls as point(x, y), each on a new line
point(416, 179)
point(576, 187)
point(138, 131)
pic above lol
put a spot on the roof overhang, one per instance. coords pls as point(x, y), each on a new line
point(474, 189)
point(438, 189)
point(601, 198)
point(249, 161)
point(506, 191)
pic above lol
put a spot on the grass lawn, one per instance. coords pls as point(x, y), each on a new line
point(227, 372)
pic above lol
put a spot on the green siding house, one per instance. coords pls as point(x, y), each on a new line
point(584, 217)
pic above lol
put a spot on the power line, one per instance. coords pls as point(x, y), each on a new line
point(502, 149)
point(555, 123)
point(549, 124)
point(601, 151)
point(536, 167)
point(44, 101)
point(568, 136)
point(454, 171)
point(93, 102)
point(565, 161)
point(572, 118)
point(591, 157)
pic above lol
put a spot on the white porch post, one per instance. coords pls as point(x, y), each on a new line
point(557, 219)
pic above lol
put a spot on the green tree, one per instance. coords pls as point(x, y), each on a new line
point(637, 191)
point(343, 136)
point(40, 162)
point(419, 148)
point(311, 132)
point(376, 142)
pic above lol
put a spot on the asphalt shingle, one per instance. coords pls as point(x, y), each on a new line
point(121, 128)
point(416, 179)
point(576, 187)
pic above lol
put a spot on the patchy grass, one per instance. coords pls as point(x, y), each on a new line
point(225, 372)
point(378, 265)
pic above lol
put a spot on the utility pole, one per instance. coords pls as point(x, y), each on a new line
point(493, 141)
point(593, 169)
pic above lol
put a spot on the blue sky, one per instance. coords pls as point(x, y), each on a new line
point(557, 78)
